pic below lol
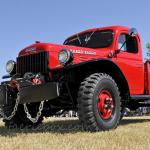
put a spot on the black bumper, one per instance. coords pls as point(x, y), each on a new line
point(32, 93)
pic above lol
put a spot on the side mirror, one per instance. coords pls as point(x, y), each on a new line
point(133, 32)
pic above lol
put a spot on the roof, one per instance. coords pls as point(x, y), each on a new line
point(117, 27)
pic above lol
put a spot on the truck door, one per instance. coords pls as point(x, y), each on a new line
point(130, 61)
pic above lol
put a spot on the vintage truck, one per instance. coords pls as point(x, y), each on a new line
point(97, 72)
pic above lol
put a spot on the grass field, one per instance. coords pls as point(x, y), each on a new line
point(63, 134)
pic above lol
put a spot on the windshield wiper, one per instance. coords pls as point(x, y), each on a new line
point(87, 39)
point(79, 39)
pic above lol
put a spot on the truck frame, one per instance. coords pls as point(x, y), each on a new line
point(97, 72)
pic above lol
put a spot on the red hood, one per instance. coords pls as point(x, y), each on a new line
point(80, 54)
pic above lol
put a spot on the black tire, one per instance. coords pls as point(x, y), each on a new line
point(89, 113)
point(20, 119)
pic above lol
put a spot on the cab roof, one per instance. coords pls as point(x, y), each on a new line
point(117, 27)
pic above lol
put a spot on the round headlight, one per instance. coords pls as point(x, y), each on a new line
point(10, 66)
point(65, 56)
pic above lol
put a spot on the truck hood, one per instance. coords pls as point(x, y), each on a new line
point(80, 54)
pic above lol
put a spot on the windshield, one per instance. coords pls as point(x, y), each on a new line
point(95, 39)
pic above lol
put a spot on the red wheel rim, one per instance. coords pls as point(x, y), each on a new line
point(105, 104)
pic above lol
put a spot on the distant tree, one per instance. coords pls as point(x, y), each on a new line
point(148, 52)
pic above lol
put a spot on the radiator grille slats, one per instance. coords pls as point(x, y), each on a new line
point(34, 63)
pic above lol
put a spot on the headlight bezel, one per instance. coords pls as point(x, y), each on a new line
point(68, 59)
point(10, 66)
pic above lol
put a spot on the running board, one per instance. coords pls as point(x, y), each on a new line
point(140, 97)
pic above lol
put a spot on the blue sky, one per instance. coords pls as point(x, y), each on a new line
point(22, 22)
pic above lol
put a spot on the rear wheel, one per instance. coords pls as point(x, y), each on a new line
point(99, 105)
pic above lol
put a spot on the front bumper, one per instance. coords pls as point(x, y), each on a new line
point(32, 93)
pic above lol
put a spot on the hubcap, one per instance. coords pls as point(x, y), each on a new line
point(105, 104)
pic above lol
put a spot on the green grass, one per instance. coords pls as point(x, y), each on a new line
point(64, 133)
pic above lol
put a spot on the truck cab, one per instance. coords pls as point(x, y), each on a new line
point(97, 72)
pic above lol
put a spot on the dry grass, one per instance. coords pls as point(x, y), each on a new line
point(64, 134)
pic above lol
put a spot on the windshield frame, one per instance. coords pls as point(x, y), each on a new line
point(92, 32)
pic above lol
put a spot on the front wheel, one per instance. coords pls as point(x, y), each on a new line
point(99, 103)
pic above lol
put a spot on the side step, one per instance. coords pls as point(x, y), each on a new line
point(140, 97)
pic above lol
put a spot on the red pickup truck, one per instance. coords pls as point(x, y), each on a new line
point(97, 72)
